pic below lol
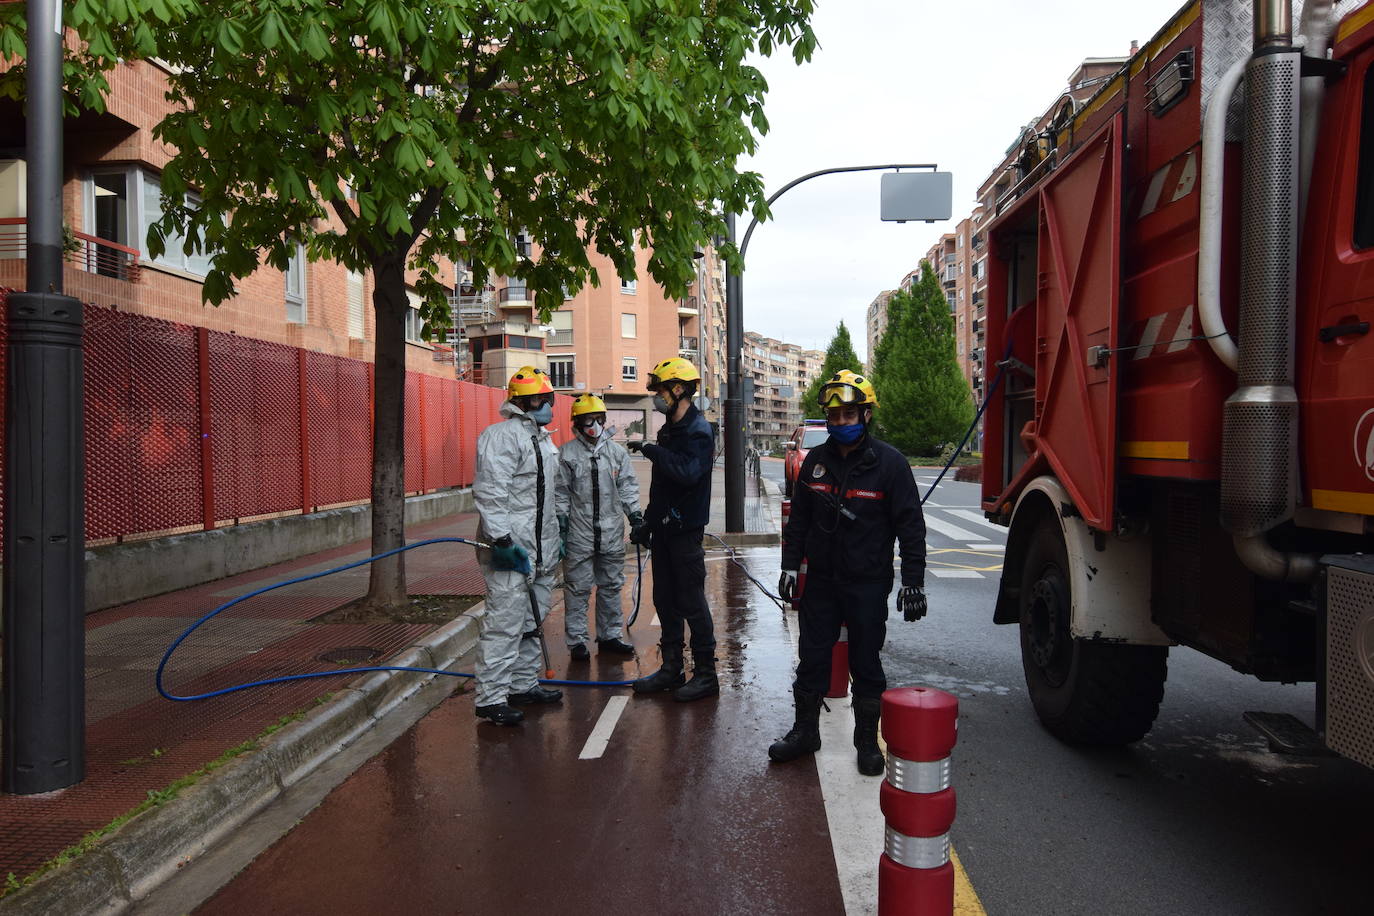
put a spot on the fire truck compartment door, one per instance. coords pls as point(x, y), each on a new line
point(1077, 328)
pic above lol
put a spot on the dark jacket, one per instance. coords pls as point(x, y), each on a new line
point(874, 485)
point(681, 479)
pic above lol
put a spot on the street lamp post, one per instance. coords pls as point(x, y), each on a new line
point(734, 331)
point(45, 547)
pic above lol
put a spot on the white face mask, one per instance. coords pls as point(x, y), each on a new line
point(592, 431)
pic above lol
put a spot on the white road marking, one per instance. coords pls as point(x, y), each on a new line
point(601, 734)
point(987, 547)
point(654, 622)
point(969, 515)
point(851, 809)
point(954, 573)
point(953, 532)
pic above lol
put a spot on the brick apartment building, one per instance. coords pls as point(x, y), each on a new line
point(780, 373)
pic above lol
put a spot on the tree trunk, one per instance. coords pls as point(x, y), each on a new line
point(387, 586)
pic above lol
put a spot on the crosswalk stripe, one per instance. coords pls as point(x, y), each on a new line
point(971, 516)
point(987, 546)
point(951, 531)
point(954, 573)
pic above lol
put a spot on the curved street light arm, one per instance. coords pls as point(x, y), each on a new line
point(744, 245)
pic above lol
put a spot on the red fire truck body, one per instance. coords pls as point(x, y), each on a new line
point(1181, 432)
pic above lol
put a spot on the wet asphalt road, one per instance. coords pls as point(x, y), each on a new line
point(682, 813)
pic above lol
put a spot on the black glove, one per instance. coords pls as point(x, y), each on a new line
point(639, 532)
point(635, 445)
point(911, 601)
point(787, 585)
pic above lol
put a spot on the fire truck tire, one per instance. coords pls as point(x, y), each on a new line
point(1084, 692)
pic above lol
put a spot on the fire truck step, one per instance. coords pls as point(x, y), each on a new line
point(1287, 734)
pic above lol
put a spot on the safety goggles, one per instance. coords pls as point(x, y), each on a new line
point(587, 419)
point(837, 394)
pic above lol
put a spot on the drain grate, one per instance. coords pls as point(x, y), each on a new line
point(350, 655)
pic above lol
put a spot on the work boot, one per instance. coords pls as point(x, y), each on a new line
point(535, 695)
point(805, 736)
point(866, 712)
point(615, 646)
point(578, 651)
point(669, 677)
point(501, 714)
point(703, 683)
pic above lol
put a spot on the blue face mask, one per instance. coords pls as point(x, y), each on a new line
point(543, 416)
point(845, 435)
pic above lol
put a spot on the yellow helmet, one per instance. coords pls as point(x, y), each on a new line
point(529, 380)
point(676, 369)
point(587, 403)
point(844, 388)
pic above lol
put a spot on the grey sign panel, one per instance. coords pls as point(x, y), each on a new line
point(917, 196)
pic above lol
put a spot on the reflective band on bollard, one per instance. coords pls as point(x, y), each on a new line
point(917, 851)
point(839, 667)
point(915, 875)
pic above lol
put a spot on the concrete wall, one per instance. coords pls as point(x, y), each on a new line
point(120, 573)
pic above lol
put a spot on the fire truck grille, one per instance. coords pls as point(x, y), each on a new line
point(1350, 662)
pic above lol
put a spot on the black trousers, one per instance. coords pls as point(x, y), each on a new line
point(679, 565)
point(826, 604)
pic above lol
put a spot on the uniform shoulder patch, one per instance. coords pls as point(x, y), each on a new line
point(818, 471)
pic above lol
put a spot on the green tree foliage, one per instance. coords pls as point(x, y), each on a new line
point(455, 124)
point(839, 355)
point(924, 399)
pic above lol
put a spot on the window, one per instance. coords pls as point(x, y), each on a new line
point(414, 326)
point(629, 369)
point(629, 324)
point(355, 305)
point(150, 212)
point(561, 371)
point(629, 287)
point(1364, 188)
point(295, 286)
point(562, 329)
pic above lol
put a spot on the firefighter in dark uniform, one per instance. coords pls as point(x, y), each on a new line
point(854, 497)
point(673, 525)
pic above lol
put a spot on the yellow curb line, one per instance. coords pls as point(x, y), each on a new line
point(962, 566)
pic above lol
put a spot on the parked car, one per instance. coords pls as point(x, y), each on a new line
point(804, 438)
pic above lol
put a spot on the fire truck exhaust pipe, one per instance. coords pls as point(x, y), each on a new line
point(1259, 482)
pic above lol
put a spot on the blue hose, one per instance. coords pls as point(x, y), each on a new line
point(303, 677)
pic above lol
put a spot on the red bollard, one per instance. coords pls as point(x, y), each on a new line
point(915, 875)
point(839, 667)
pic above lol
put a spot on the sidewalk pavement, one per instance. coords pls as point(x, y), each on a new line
point(138, 744)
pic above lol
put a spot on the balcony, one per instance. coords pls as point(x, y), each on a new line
point(688, 307)
point(515, 297)
point(473, 306)
point(88, 253)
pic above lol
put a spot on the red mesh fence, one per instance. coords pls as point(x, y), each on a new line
point(339, 399)
point(186, 427)
point(255, 426)
point(143, 470)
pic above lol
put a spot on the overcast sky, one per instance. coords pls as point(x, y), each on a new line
point(949, 82)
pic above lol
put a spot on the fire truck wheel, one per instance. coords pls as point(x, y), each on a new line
point(1084, 692)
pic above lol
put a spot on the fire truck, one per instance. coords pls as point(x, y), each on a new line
point(1181, 432)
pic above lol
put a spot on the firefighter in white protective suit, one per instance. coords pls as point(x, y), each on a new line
point(515, 491)
point(597, 492)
